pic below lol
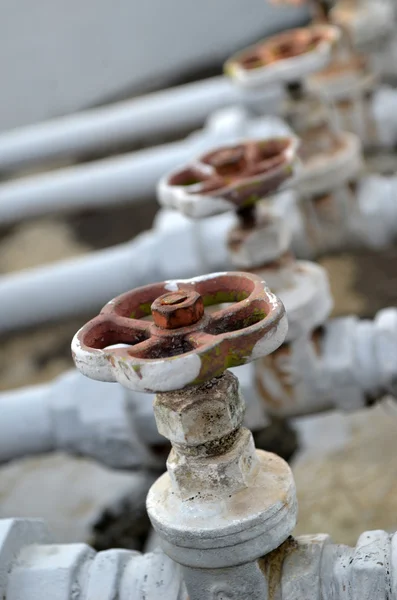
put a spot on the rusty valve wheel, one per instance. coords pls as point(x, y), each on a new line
point(230, 177)
point(287, 57)
point(183, 345)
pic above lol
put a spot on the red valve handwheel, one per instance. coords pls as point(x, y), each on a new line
point(183, 345)
point(230, 177)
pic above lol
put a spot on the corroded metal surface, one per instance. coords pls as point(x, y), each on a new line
point(177, 309)
point(288, 56)
point(153, 359)
point(230, 177)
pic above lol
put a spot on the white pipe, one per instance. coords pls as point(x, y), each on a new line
point(174, 110)
point(84, 284)
point(26, 426)
point(101, 184)
point(177, 247)
point(81, 416)
point(76, 415)
point(123, 179)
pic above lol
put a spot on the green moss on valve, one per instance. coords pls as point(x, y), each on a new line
point(214, 362)
point(256, 316)
point(144, 310)
point(224, 297)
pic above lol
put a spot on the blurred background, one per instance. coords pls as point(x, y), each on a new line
point(58, 58)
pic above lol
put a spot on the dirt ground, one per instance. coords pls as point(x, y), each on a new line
point(343, 492)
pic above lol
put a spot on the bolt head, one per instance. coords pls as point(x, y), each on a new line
point(177, 309)
point(201, 414)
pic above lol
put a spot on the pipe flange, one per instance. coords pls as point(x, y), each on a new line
point(184, 346)
point(287, 57)
point(232, 530)
point(322, 171)
point(230, 177)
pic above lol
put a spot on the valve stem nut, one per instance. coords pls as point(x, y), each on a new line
point(177, 309)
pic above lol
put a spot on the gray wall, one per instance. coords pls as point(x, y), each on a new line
point(57, 57)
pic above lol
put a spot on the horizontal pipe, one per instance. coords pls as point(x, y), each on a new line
point(70, 287)
point(81, 416)
point(126, 178)
point(81, 285)
point(173, 110)
point(26, 424)
point(177, 247)
point(101, 184)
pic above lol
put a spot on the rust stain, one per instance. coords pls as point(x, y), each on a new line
point(277, 364)
point(273, 363)
point(271, 565)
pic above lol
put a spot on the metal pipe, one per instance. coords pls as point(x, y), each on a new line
point(123, 179)
point(73, 287)
point(26, 425)
point(309, 566)
point(82, 285)
point(76, 415)
point(174, 110)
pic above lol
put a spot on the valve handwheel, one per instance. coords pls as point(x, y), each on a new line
point(184, 345)
point(230, 177)
point(287, 57)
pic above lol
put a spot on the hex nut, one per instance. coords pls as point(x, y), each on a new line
point(177, 309)
point(201, 414)
point(219, 475)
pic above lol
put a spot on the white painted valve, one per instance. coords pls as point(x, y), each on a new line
point(80, 417)
point(32, 567)
point(345, 365)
